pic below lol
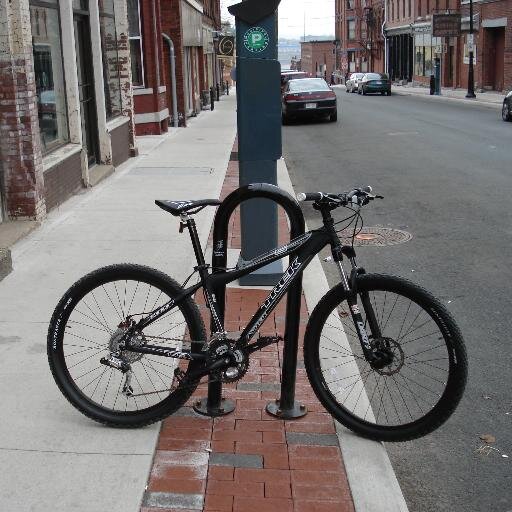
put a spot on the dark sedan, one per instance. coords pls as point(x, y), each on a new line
point(374, 82)
point(506, 111)
point(308, 97)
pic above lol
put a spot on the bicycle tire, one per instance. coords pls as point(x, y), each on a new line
point(398, 430)
point(94, 319)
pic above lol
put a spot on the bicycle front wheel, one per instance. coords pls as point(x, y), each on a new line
point(425, 373)
point(87, 326)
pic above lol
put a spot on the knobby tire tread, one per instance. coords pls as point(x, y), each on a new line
point(424, 425)
point(189, 310)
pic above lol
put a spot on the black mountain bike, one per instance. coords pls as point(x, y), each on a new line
point(127, 345)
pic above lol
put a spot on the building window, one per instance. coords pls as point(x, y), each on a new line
point(134, 35)
point(364, 33)
point(409, 8)
point(49, 74)
point(351, 29)
point(350, 4)
point(111, 78)
point(423, 54)
point(392, 9)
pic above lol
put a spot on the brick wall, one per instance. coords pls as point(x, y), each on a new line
point(484, 44)
point(171, 25)
point(316, 54)
point(19, 125)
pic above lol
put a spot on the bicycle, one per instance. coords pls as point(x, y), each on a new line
point(127, 345)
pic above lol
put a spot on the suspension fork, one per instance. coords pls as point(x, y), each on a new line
point(351, 293)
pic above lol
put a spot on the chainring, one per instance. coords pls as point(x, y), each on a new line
point(240, 358)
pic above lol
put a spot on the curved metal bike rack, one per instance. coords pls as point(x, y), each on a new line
point(285, 407)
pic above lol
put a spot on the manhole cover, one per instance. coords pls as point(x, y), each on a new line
point(376, 236)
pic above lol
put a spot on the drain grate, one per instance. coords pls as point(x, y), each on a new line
point(376, 236)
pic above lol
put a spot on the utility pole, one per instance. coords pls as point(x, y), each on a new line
point(471, 76)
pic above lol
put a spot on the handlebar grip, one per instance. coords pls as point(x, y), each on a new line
point(310, 196)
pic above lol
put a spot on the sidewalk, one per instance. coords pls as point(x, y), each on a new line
point(490, 98)
point(53, 458)
point(58, 460)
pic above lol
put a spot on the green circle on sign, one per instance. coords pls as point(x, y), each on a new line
point(256, 39)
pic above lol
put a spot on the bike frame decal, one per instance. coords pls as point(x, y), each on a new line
point(305, 248)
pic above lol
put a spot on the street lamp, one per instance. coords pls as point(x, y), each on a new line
point(471, 77)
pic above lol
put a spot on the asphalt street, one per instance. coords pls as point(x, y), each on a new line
point(445, 170)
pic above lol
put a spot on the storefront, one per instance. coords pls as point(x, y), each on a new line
point(400, 41)
point(75, 125)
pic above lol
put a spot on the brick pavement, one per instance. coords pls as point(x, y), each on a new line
point(250, 461)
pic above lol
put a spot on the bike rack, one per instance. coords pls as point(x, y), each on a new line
point(285, 407)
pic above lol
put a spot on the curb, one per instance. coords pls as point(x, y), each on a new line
point(363, 459)
point(465, 101)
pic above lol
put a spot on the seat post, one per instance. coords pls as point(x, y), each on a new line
point(194, 237)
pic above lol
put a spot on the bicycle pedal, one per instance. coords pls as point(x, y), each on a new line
point(265, 341)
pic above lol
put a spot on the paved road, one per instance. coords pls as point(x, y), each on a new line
point(445, 170)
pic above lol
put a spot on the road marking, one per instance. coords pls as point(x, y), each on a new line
point(394, 134)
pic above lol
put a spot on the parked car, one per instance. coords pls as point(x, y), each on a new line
point(291, 75)
point(308, 97)
point(374, 82)
point(506, 111)
point(352, 83)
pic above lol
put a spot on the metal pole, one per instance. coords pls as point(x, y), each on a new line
point(471, 76)
point(172, 64)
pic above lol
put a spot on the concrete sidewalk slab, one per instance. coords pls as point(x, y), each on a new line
point(53, 457)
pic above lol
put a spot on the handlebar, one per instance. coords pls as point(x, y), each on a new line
point(358, 196)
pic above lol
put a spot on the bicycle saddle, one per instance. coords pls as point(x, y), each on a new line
point(178, 207)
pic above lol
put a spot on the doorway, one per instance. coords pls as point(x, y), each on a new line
point(85, 72)
point(494, 58)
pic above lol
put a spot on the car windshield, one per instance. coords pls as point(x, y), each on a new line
point(375, 76)
point(309, 84)
point(357, 76)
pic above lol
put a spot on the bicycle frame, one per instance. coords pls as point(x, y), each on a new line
point(301, 251)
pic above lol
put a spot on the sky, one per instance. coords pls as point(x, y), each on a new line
point(319, 17)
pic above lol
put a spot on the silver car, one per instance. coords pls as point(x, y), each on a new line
point(352, 83)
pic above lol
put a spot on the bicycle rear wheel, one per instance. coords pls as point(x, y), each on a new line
point(424, 379)
point(87, 326)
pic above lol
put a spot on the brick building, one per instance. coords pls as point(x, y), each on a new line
point(317, 58)
point(65, 99)
point(412, 49)
point(359, 32)
point(493, 45)
point(191, 27)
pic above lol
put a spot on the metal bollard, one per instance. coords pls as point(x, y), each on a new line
point(212, 99)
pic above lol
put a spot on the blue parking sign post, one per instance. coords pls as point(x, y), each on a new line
point(259, 127)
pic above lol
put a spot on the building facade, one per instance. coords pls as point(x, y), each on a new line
point(412, 49)
point(359, 34)
point(65, 99)
point(493, 45)
point(318, 58)
point(184, 31)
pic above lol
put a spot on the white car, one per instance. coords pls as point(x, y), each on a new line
point(352, 83)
